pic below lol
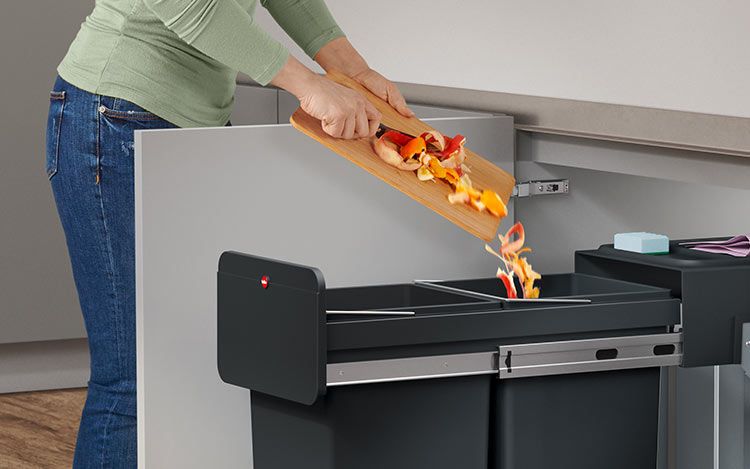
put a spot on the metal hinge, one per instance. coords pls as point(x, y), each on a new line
point(546, 187)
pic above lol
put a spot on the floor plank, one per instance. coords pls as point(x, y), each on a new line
point(38, 429)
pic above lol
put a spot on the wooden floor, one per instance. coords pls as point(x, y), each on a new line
point(38, 429)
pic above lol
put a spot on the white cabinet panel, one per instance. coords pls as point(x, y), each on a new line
point(202, 191)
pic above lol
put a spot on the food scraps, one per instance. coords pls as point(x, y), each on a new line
point(436, 157)
point(513, 265)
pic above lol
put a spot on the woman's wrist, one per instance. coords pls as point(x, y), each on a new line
point(340, 55)
point(295, 78)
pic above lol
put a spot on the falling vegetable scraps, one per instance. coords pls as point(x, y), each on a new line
point(437, 157)
point(513, 265)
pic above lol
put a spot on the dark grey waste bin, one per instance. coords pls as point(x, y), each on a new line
point(432, 424)
point(577, 421)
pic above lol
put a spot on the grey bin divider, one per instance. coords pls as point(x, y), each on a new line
point(570, 285)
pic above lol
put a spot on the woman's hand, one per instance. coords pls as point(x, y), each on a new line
point(343, 113)
point(340, 55)
point(384, 89)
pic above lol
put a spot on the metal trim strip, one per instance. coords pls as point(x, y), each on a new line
point(537, 359)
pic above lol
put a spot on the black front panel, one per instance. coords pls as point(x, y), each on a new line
point(428, 424)
point(579, 421)
point(271, 327)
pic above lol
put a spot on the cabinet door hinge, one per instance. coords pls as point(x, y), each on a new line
point(547, 187)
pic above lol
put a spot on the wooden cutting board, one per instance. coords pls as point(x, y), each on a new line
point(484, 174)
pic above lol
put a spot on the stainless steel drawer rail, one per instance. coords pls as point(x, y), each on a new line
point(520, 360)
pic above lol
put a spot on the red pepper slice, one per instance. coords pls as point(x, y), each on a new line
point(453, 145)
point(510, 287)
point(397, 137)
point(509, 246)
point(434, 139)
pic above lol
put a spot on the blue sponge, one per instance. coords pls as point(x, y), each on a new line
point(644, 243)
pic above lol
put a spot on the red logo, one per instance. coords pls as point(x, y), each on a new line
point(264, 281)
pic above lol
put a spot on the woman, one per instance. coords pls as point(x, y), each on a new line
point(151, 64)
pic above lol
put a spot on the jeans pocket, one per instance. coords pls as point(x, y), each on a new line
point(54, 124)
point(120, 109)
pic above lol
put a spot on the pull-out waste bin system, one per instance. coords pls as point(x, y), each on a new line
point(448, 374)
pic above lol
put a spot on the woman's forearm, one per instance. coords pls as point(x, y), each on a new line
point(340, 55)
point(295, 77)
point(308, 22)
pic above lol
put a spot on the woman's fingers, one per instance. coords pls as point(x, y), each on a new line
point(349, 127)
point(384, 89)
point(359, 121)
point(373, 118)
point(396, 99)
point(343, 112)
point(334, 128)
point(349, 124)
point(362, 124)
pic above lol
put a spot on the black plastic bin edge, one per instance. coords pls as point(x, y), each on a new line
point(280, 347)
point(714, 291)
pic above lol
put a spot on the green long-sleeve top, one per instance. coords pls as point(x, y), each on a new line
point(179, 58)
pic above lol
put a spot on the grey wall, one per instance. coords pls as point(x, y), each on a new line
point(672, 54)
point(254, 105)
point(33, 366)
point(36, 287)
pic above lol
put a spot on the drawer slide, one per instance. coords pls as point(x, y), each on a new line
point(520, 360)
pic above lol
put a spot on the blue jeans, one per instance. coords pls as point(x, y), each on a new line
point(90, 166)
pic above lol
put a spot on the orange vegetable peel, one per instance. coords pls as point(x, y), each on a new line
point(437, 157)
point(513, 265)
